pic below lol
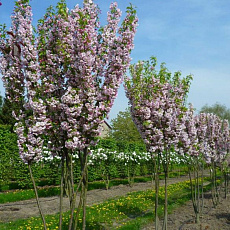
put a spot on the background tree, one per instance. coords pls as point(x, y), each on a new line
point(1, 100)
point(218, 109)
point(124, 129)
point(6, 109)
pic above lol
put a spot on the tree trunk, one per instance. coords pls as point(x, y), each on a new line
point(36, 195)
point(61, 190)
point(166, 165)
point(84, 188)
point(156, 192)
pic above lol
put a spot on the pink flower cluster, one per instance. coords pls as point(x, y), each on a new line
point(158, 109)
point(189, 140)
point(20, 72)
point(67, 78)
point(85, 67)
point(156, 106)
point(214, 137)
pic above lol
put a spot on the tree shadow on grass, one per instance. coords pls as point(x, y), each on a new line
point(90, 225)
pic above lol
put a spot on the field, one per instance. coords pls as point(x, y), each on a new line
point(130, 214)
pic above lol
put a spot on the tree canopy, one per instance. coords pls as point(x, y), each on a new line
point(1, 100)
point(220, 110)
point(6, 109)
point(124, 129)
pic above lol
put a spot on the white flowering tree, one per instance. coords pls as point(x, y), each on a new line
point(104, 159)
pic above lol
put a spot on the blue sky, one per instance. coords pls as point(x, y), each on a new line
point(192, 36)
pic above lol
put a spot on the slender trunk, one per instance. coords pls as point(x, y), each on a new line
point(156, 192)
point(202, 187)
point(74, 221)
point(215, 186)
point(197, 217)
point(198, 192)
point(78, 211)
point(84, 202)
point(105, 178)
point(153, 172)
point(212, 190)
point(130, 175)
point(61, 190)
point(228, 181)
point(165, 223)
point(36, 195)
point(85, 187)
point(212, 172)
point(71, 180)
point(195, 188)
point(218, 187)
point(107, 182)
point(225, 185)
point(215, 196)
point(193, 194)
point(72, 194)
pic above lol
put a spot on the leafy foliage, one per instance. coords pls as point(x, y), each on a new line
point(124, 129)
point(13, 172)
point(218, 109)
point(8, 154)
point(7, 108)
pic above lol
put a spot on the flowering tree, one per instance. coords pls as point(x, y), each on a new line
point(130, 160)
point(66, 79)
point(192, 144)
point(157, 105)
point(105, 159)
point(204, 139)
point(20, 71)
point(196, 129)
point(226, 171)
point(213, 139)
point(226, 149)
point(218, 146)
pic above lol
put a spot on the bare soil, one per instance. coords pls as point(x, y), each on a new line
point(181, 218)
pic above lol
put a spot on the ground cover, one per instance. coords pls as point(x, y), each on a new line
point(48, 191)
point(183, 218)
point(128, 212)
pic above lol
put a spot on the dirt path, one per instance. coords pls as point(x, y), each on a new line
point(181, 218)
point(50, 205)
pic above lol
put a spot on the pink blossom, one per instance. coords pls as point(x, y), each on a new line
point(68, 76)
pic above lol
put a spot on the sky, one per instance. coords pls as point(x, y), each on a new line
point(191, 36)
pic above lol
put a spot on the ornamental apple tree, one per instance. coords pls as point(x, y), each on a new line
point(65, 76)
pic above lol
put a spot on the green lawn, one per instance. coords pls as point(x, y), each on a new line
point(127, 212)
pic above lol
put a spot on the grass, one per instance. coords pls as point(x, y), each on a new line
point(20, 194)
point(127, 212)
